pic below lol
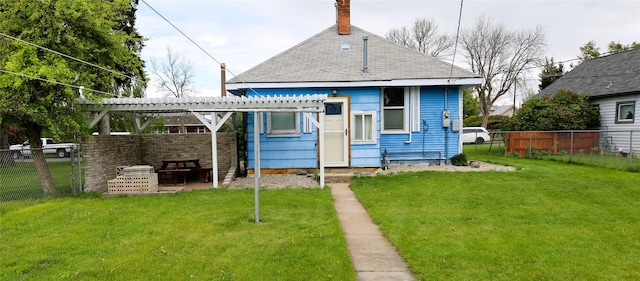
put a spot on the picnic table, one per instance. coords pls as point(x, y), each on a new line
point(180, 167)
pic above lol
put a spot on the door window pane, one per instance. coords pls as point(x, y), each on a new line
point(333, 108)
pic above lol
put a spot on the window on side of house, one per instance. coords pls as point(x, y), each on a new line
point(625, 111)
point(283, 123)
point(394, 110)
point(363, 127)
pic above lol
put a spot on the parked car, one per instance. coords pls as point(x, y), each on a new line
point(48, 147)
point(477, 135)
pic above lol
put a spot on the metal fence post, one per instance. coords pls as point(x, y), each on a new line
point(631, 149)
point(530, 142)
point(79, 170)
point(571, 148)
point(475, 141)
point(73, 171)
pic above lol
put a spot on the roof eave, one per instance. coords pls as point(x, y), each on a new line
point(469, 81)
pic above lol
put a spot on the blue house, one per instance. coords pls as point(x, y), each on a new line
point(381, 97)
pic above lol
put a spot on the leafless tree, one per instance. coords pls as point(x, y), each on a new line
point(500, 56)
point(424, 37)
point(401, 36)
point(175, 76)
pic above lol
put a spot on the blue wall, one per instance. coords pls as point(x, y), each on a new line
point(365, 99)
point(431, 137)
point(278, 152)
point(301, 151)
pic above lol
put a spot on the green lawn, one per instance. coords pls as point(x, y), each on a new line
point(547, 221)
point(198, 235)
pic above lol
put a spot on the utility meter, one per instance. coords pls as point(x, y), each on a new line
point(446, 118)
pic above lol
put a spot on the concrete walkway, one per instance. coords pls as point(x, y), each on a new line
point(373, 257)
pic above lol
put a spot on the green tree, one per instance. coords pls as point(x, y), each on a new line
point(550, 73)
point(616, 47)
point(565, 110)
point(589, 51)
point(470, 105)
point(101, 32)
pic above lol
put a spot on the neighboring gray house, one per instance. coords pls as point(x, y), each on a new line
point(500, 110)
point(613, 85)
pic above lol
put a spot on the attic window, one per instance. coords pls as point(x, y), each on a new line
point(345, 47)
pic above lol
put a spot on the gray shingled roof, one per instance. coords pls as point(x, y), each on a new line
point(320, 59)
point(609, 75)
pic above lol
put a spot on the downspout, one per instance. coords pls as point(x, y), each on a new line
point(410, 117)
point(446, 130)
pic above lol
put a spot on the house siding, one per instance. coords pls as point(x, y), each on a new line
point(280, 152)
point(431, 137)
point(619, 134)
point(301, 151)
point(365, 99)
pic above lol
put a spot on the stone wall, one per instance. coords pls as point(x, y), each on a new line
point(102, 154)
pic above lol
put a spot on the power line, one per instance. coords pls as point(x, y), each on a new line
point(455, 46)
point(66, 56)
point(196, 44)
point(81, 88)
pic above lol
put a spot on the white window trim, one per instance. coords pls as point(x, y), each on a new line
point(283, 133)
point(621, 104)
point(405, 111)
point(374, 135)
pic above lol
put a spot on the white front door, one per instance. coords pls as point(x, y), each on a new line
point(336, 135)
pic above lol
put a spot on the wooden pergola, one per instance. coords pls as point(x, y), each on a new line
point(200, 107)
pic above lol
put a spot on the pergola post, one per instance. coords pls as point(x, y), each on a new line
point(321, 146)
point(214, 150)
point(256, 169)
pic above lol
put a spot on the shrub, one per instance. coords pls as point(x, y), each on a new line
point(565, 110)
point(459, 160)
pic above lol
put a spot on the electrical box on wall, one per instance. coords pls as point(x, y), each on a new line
point(446, 118)
point(455, 125)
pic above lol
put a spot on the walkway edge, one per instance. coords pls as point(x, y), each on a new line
point(372, 255)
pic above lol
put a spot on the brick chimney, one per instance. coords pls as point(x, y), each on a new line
point(344, 17)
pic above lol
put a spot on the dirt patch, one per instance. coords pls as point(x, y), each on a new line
point(481, 167)
point(278, 181)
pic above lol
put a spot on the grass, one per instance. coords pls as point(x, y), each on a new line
point(21, 181)
point(198, 235)
point(547, 221)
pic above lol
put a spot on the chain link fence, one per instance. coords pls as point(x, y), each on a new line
point(618, 149)
point(19, 178)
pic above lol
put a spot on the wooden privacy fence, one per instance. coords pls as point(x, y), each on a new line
point(552, 142)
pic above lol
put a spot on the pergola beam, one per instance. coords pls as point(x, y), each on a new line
point(200, 106)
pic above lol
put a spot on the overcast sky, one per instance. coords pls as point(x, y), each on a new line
point(244, 33)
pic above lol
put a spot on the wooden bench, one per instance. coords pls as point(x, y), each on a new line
point(175, 173)
point(388, 156)
point(205, 172)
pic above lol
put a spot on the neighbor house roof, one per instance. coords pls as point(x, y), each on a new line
point(615, 74)
point(329, 58)
point(496, 110)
